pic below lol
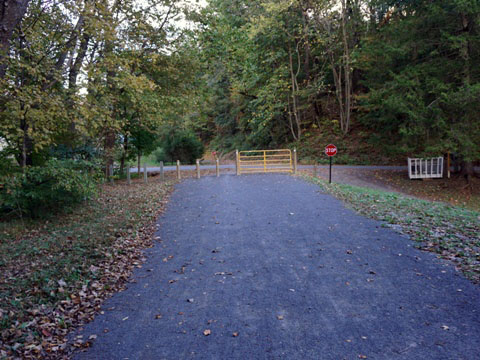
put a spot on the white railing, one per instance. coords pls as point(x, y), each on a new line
point(425, 168)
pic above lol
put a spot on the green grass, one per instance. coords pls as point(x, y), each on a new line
point(450, 231)
point(56, 271)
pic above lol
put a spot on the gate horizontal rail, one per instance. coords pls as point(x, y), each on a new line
point(264, 161)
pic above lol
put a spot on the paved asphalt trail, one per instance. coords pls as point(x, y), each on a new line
point(295, 273)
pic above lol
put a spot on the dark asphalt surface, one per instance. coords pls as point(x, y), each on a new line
point(294, 273)
point(231, 167)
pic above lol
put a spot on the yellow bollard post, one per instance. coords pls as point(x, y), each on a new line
point(217, 167)
point(178, 170)
point(237, 163)
point(295, 161)
point(198, 168)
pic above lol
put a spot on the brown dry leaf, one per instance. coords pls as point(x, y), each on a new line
point(207, 332)
point(280, 317)
point(362, 356)
point(235, 334)
point(158, 316)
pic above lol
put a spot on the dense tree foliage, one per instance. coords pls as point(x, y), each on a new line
point(403, 70)
point(113, 79)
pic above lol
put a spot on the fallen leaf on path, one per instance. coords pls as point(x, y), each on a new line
point(206, 332)
point(125, 318)
point(235, 334)
point(158, 316)
point(280, 317)
point(445, 327)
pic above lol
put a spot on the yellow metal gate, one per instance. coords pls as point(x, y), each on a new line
point(255, 161)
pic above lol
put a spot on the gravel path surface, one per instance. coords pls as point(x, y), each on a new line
point(275, 269)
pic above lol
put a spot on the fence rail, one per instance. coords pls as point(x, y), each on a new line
point(264, 161)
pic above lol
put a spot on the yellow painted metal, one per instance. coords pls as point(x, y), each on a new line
point(266, 161)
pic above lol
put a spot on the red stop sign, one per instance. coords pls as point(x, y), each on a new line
point(331, 150)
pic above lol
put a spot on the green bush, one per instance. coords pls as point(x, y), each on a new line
point(159, 155)
point(184, 146)
point(42, 190)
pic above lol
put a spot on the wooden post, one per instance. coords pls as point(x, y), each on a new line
point(448, 164)
point(198, 168)
point(217, 166)
point(162, 174)
point(111, 173)
point(129, 178)
point(237, 163)
point(145, 173)
point(178, 170)
point(315, 170)
point(295, 161)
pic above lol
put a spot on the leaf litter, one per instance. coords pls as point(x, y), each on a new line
point(57, 272)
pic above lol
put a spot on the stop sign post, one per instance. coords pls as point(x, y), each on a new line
point(330, 151)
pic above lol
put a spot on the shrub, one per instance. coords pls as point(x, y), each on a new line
point(43, 190)
point(160, 155)
point(184, 146)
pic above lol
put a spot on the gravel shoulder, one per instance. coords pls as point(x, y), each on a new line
point(292, 273)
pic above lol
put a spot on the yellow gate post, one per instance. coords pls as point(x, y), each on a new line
point(264, 161)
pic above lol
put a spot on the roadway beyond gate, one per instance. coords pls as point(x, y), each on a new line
point(268, 267)
point(264, 161)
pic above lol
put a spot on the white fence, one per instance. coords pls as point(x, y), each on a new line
point(425, 168)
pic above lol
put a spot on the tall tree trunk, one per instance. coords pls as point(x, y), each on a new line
point(11, 15)
point(139, 158)
point(346, 72)
point(124, 154)
point(294, 89)
point(290, 120)
point(467, 171)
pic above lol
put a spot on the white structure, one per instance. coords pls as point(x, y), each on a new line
point(425, 168)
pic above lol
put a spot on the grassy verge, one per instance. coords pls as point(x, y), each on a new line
point(450, 231)
point(55, 273)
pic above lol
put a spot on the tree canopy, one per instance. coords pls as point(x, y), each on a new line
point(118, 76)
